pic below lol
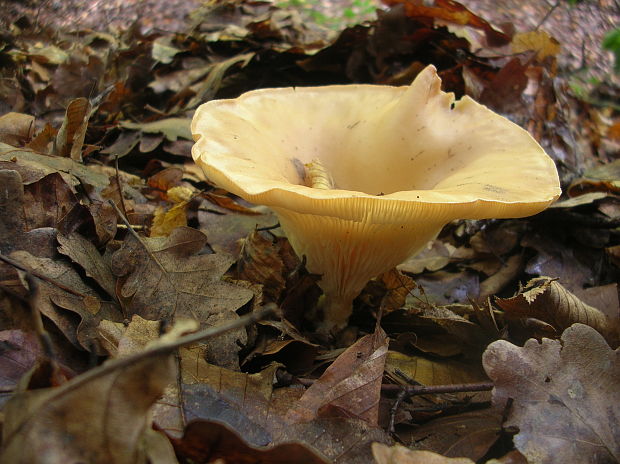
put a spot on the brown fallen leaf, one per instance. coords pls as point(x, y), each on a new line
point(398, 454)
point(260, 262)
point(538, 41)
point(432, 371)
point(84, 253)
point(454, 12)
point(251, 406)
point(71, 134)
point(351, 385)
point(62, 295)
point(166, 278)
point(566, 401)
point(52, 425)
point(72, 171)
point(16, 128)
point(19, 352)
point(546, 299)
point(469, 434)
point(205, 441)
point(398, 286)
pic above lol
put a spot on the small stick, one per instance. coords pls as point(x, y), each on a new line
point(120, 188)
point(401, 396)
point(44, 338)
point(414, 390)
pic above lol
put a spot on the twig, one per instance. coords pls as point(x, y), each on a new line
point(44, 338)
point(266, 228)
point(120, 188)
point(414, 390)
point(549, 12)
point(394, 409)
point(155, 352)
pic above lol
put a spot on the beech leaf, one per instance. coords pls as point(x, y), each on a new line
point(546, 299)
point(352, 384)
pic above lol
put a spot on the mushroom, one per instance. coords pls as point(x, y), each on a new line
point(363, 176)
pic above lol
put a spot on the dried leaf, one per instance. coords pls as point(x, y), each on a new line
point(539, 41)
point(212, 442)
point(84, 253)
point(398, 454)
point(19, 352)
point(566, 401)
point(171, 128)
point(432, 372)
point(398, 287)
point(12, 220)
point(469, 434)
point(451, 11)
point(16, 128)
point(253, 408)
point(50, 425)
point(67, 297)
point(54, 164)
point(260, 262)
point(71, 134)
point(351, 385)
point(546, 299)
point(165, 278)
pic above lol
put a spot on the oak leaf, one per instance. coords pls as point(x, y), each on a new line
point(566, 401)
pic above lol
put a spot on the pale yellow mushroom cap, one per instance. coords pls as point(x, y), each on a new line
point(405, 161)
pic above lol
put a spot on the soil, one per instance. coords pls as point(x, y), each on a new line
point(580, 28)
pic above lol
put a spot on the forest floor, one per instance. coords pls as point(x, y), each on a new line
point(579, 28)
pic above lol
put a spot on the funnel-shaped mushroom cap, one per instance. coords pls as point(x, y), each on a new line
point(404, 162)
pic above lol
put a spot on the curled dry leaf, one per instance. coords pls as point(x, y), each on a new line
point(98, 417)
point(71, 134)
point(350, 387)
point(546, 299)
point(566, 401)
point(398, 454)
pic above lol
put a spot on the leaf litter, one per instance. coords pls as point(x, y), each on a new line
point(125, 239)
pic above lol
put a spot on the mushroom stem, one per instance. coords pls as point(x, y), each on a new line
point(347, 254)
point(336, 310)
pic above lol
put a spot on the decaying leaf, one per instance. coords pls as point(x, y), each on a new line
point(71, 134)
point(539, 41)
point(546, 299)
point(566, 401)
point(469, 434)
point(16, 128)
point(398, 454)
point(166, 278)
point(205, 441)
point(260, 262)
point(398, 287)
point(432, 372)
point(47, 425)
point(350, 387)
point(86, 255)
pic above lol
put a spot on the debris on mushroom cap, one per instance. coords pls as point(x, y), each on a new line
point(405, 161)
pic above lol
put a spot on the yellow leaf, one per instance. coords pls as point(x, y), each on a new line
point(539, 41)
